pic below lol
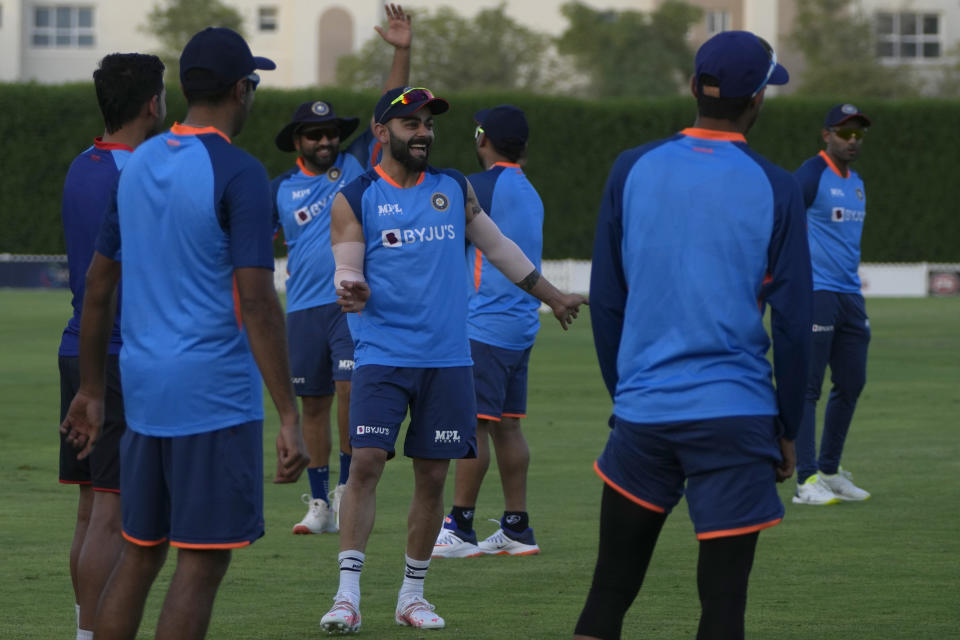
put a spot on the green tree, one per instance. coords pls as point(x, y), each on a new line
point(630, 53)
point(839, 48)
point(174, 22)
point(454, 53)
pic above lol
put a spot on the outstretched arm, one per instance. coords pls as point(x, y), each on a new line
point(399, 35)
point(505, 255)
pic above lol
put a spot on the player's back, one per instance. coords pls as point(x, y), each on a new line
point(698, 213)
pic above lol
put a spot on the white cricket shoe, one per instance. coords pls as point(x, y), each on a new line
point(815, 492)
point(502, 543)
point(451, 543)
point(841, 483)
point(417, 612)
point(336, 497)
point(319, 518)
point(343, 618)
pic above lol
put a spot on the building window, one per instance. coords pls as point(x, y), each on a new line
point(717, 21)
point(268, 19)
point(62, 26)
point(908, 36)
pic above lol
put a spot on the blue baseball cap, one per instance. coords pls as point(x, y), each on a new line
point(313, 112)
point(224, 53)
point(842, 113)
point(742, 62)
point(402, 101)
point(505, 125)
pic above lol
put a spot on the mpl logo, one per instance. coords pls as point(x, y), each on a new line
point(366, 430)
point(446, 436)
point(389, 210)
point(297, 194)
point(302, 216)
point(345, 365)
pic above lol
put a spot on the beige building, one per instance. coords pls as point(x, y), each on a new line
point(51, 41)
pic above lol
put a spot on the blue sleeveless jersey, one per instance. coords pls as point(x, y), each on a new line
point(836, 208)
point(190, 208)
point(302, 206)
point(500, 313)
point(87, 192)
point(417, 312)
point(693, 231)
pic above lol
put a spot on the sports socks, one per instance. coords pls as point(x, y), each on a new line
point(628, 533)
point(83, 634)
point(351, 564)
point(319, 478)
point(345, 459)
point(515, 521)
point(413, 577)
point(463, 516)
point(723, 570)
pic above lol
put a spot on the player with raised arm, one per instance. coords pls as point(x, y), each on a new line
point(397, 234)
point(191, 224)
point(321, 348)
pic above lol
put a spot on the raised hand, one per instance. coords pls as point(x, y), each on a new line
point(398, 32)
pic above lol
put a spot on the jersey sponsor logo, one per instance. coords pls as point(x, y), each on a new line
point(446, 436)
point(842, 214)
point(302, 216)
point(836, 193)
point(333, 174)
point(300, 193)
point(389, 210)
point(440, 201)
point(822, 328)
point(367, 430)
point(400, 237)
point(345, 365)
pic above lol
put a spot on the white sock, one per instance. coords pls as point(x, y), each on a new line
point(351, 564)
point(76, 606)
point(83, 634)
point(413, 577)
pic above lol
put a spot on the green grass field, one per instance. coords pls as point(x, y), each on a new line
point(887, 568)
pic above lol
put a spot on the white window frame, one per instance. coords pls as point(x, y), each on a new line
point(717, 21)
point(268, 19)
point(918, 39)
point(68, 34)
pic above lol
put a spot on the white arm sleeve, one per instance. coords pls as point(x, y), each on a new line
point(501, 251)
point(349, 258)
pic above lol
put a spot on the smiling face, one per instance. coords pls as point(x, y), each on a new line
point(410, 139)
point(318, 145)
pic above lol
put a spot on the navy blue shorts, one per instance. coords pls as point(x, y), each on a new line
point(321, 349)
point(500, 376)
point(727, 464)
point(203, 491)
point(101, 469)
point(443, 415)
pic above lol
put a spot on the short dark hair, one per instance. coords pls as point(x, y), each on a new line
point(124, 82)
point(214, 91)
point(716, 107)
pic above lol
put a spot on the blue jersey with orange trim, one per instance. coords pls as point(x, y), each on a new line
point(500, 313)
point(836, 208)
point(692, 231)
point(87, 191)
point(189, 209)
point(366, 149)
point(302, 206)
point(417, 312)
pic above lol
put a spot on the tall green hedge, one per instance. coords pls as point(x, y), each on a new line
point(909, 161)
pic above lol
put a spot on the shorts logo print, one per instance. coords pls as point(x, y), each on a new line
point(345, 365)
point(446, 436)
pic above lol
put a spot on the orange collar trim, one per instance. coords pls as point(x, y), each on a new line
point(303, 168)
point(512, 165)
point(187, 130)
point(110, 146)
point(383, 174)
point(833, 167)
point(713, 134)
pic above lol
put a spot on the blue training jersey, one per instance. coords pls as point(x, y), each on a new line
point(836, 207)
point(302, 203)
point(693, 231)
point(500, 313)
point(417, 312)
point(366, 149)
point(190, 208)
point(87, 191)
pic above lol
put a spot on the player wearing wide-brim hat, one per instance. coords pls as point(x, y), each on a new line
point(316, 112)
